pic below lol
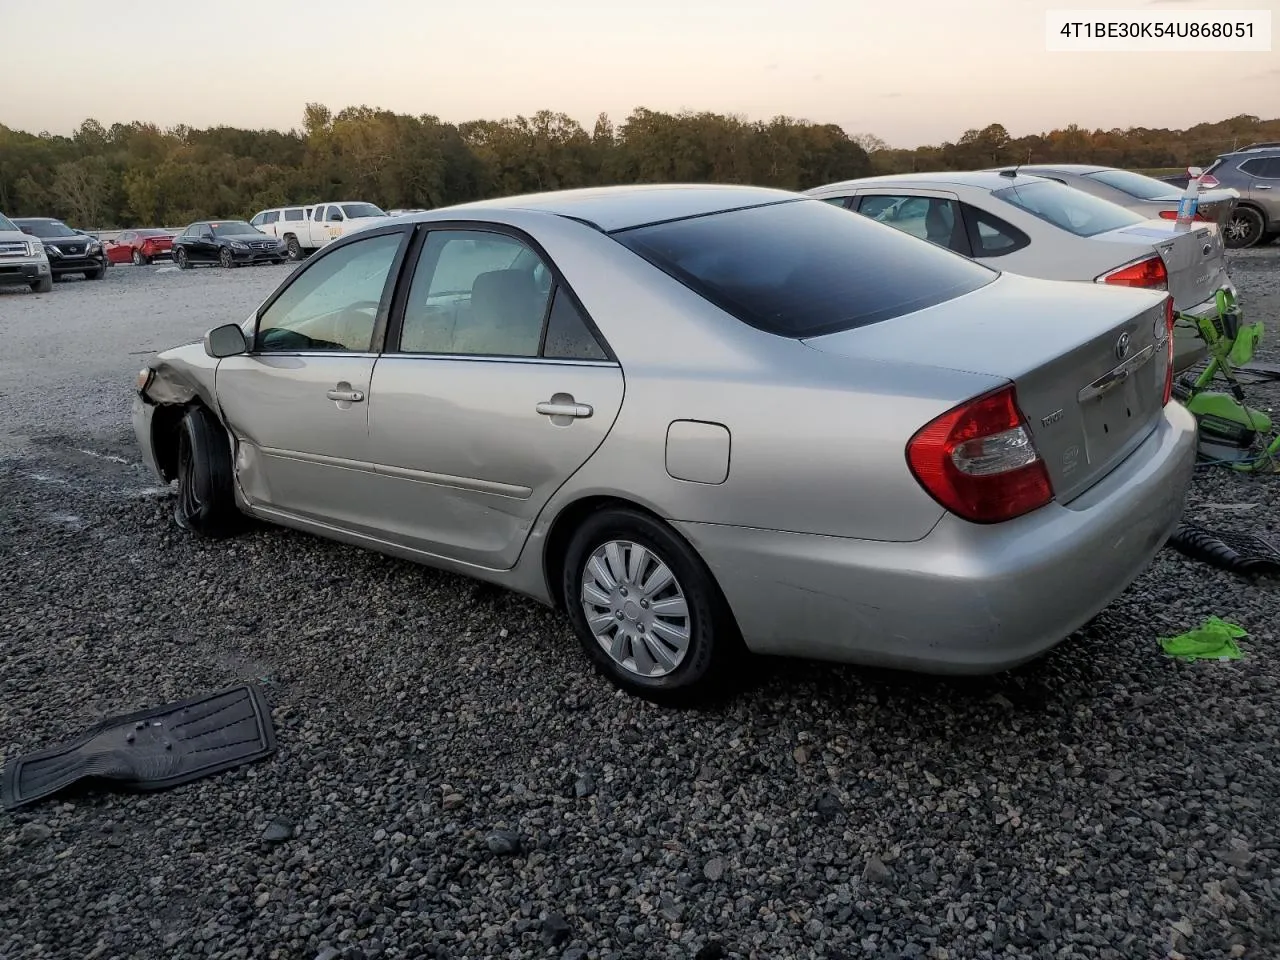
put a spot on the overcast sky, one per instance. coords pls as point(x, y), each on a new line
point(912, 72)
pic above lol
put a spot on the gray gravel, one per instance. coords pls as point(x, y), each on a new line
point(452, 781)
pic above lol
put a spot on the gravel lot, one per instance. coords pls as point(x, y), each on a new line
point(1103, 802)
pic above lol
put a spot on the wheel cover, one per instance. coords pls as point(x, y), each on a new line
point(636, 608)
point(137, 258)
point(1239, 228)
point(225, 257)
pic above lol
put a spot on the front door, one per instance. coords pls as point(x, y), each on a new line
point(298, 402)
point(492, 392)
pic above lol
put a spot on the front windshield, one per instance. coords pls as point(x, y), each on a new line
point(233, 228)
point(7, 225)
point(354, 211)
point(48, 229)
point(1136, 184)
point(1073, 210)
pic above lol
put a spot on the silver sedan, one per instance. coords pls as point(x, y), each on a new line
point(1041, 228)
point(700, 420)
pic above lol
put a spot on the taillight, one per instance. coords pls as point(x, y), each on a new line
point(1173, 215)
point(1168, 335)
point(979, 460)
point(1149, 273)
point(1208, 182)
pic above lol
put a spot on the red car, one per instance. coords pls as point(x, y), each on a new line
point(140, 246)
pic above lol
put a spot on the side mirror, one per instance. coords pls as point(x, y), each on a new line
point(227, 340)
point(207, 236)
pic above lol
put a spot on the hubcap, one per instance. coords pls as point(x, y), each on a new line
point(636, 608)
point(1239, 228)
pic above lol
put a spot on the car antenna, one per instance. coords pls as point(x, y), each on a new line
point(1011, 173)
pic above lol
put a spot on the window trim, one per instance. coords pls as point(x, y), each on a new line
point(422, 230)
point(384, 303)
point(1021, 239)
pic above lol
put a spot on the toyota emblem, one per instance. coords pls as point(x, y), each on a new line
point(1122, 346)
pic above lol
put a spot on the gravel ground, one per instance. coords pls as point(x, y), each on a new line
point(452, 781)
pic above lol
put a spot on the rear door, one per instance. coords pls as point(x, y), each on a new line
point(1264, 185)
point(493, 390)
point(298, 402)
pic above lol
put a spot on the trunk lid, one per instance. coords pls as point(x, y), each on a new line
point(1088, 363)
point(1216, 206)
point(1194, 258)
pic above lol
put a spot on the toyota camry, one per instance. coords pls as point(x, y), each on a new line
point(703, 421)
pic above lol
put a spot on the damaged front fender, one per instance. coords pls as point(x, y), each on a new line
point(178, 378)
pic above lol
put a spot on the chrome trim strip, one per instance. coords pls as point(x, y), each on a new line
point(1116, 376)
point(492, 487)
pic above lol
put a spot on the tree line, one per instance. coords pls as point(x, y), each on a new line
point(137, 174)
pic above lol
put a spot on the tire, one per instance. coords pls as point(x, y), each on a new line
point(95, 274)
point(43, 285)
point(707, 625)
point(206, 495)
point(138, 259)
point(225, 258)
point(181, 258)
point(1244, 229)
point(294, 248)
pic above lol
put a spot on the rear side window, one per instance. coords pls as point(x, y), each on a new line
point(989, 236)
point(293, 214)
point(1267, 168)
point(1135, 184)
point(803, 268)
point(1073, 210)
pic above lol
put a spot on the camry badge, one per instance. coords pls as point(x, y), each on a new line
point(1122, 346)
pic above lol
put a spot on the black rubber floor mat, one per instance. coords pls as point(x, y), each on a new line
point(151, 749)
point(1236, 552)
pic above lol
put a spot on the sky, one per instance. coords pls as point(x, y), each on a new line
point(912, 72)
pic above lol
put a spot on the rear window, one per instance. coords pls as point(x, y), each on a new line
point(1073, 210)
point(803, 268)
point(1135, 184)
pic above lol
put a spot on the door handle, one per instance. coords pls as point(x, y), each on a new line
point(1263, 186)
point(351, 396)
point(567, 408)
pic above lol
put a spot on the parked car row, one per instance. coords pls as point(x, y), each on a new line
point(936, 465)
point(35, 251)
point(304, 229)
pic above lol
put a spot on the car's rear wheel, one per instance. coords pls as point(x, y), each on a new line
point(181, 257)
point(43, 285)
point(138, 259)
point(225, 258)
point(645, 607)
point(206, 496)
point(1244, 229)
point(294, 248)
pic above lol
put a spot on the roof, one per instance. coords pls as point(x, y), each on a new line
point(617, 208)
point(982, 179)
point(1081, 168)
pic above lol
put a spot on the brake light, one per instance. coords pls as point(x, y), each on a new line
point(979, 460)
point(1168, 336)
point(1149, 273)
point(1173, 215)
point(1209, 181)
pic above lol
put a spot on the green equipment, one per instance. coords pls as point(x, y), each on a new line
point(1231, 432)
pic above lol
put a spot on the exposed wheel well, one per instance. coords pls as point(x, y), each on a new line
point(164, 434)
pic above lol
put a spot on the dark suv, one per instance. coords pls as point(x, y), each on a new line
point(69, 251)
point(1254, 172)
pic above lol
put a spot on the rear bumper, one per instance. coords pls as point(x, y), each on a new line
point(1189, 347)
point(966, 598)
point(22, 273)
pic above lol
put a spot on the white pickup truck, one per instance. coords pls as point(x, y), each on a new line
point(310, 227)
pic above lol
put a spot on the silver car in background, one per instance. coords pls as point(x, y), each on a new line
point(1040, 228)
point(1146, 196)
point(702, 421)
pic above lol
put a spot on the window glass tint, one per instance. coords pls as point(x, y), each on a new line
point(333, 303)
point(1135, 184)
point(802, 268)
point(836, 201)
point(8, 225)
point(1267, 168)
point(260, 218)
point(357, 210)
point(990, 236)
point(293, 214)
point(195, 230)
point(1073, 210)
point(928, 218)
point(47, 229)
point(232, 228)
point(476, 293)
point(272, 216)
point(568, 336)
